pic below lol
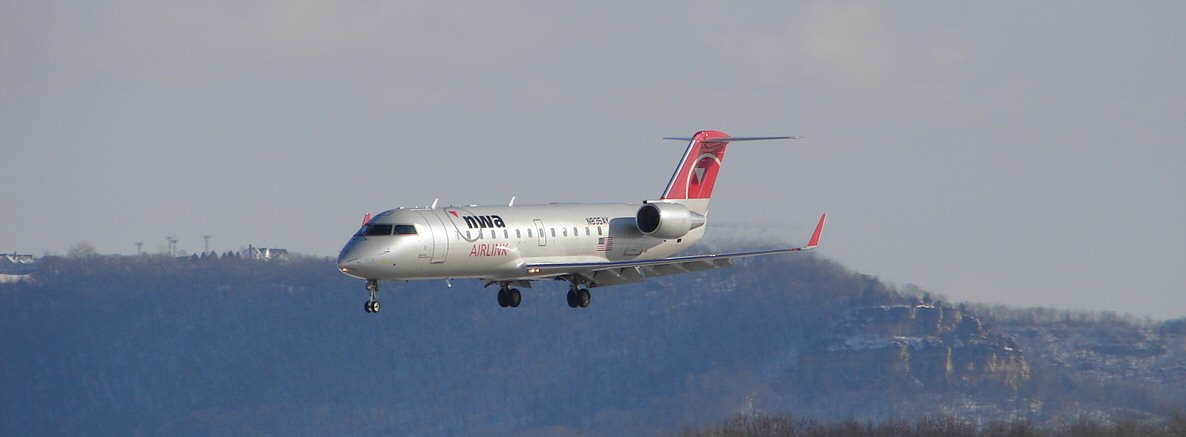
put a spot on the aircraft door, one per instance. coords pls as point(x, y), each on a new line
point(438, 235)
point(539, 228)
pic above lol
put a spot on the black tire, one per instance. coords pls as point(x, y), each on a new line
point(584, 297)
point(502, 298)
point(375, 307)
point(514, 298)
point(572, 299)
point(367, 306)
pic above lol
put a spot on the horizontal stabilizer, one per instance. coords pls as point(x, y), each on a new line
point(731, 139)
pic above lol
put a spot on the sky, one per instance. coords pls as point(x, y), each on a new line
point(1021, 153)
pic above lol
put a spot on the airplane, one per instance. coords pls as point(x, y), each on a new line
point(586, 245)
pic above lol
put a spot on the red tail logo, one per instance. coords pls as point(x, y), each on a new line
point(697, 172)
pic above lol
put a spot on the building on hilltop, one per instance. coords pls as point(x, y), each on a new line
point(266, 253)
point(14, 266)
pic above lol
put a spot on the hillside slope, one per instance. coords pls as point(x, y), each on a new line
point(148, 345)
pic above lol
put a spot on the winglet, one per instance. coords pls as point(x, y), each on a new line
point(814, 242)
point(819, 229)
point(366, 218)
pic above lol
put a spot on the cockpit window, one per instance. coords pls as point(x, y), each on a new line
point(385, 230)
point(374, 230)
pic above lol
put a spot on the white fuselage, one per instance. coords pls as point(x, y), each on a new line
point(495, 243)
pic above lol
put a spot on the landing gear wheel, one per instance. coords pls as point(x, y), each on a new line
point(513, 298)
point(372, 304)
point(502, 298)
point(583, 297)
point(572, 299)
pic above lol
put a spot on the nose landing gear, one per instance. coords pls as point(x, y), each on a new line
point(372, 304)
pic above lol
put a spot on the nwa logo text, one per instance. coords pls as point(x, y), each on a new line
point(480, 221)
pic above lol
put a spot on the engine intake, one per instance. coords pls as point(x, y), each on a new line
point(667, 220)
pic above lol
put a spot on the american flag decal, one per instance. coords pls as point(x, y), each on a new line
point(605, 244)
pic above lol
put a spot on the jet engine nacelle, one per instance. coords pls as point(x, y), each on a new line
point(667, 220)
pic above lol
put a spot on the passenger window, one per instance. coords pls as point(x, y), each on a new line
point(375, 230)
point(587, 233)
point(492, 234)
point(518, 233)
point(529, 233)
point(506, 234)
point(467, 237)
point(599, 231)
point(405, 230)
point(553, 232)
point(565, 232)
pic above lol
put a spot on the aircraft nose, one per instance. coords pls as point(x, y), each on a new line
point(349, 261)
point(344, 265)
point(365, 260)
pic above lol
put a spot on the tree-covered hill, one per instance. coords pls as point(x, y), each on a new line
point(156, 345)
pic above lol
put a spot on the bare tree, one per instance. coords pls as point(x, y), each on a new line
point(82, 249)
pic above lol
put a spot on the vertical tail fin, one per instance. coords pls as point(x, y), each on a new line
point(697, 171)
point(696, 174)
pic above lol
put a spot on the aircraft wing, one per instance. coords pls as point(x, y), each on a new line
point(600, 274)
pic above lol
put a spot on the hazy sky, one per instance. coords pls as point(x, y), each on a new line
point(1027, 153)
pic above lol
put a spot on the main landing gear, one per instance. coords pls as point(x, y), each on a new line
point(372, 304)
point(578, 297)
point(509, 297)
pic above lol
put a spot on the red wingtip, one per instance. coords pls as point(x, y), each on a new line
point(366, 218)
point(819, 229)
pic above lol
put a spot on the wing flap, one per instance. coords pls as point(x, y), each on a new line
point(617, 276)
